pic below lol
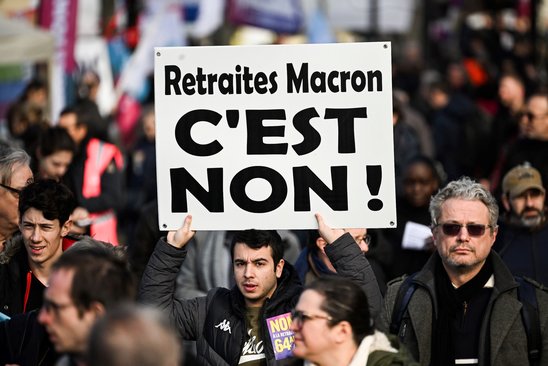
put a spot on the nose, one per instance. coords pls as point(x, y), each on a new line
point(36, 235)
point(529, 200)
point(463, 234)
point(248, 271)
point(295, 326)
point(43, 316)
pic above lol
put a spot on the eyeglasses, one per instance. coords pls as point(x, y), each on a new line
point(49, 306)
point(366, 238)
point(299, 317)
point(530, 116)
point(16, 192)
point(454, 229)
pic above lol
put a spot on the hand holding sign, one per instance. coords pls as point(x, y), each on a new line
point(327, 233)
point(182, 236)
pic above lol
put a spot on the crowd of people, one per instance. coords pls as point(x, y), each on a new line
point(88, 278)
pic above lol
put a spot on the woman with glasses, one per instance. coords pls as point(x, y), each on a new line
point(332, 326)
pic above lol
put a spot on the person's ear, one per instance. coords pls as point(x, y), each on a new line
point(342, 332)
point(321, 243)
point(97, 309)
point(279, 268)
point(506, 202)
point(65, 229)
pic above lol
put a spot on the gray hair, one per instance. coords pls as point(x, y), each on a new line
point(10, 157)
point(464, 189)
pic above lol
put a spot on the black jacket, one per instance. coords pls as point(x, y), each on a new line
point(199, 318)
point(12, 277)
point(23, 341)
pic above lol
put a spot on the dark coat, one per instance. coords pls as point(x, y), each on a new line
point(23, 341)
point(12, 276)
point(503, 337)
point(524, 250)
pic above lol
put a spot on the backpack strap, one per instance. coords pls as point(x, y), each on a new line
point(530, 317)
point(405, 292)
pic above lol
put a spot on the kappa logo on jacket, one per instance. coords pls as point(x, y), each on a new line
point(224, 326)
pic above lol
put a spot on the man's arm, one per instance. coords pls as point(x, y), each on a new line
point(349, 261)
point(158, 283)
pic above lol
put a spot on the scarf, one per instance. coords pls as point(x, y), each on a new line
point(450, 306)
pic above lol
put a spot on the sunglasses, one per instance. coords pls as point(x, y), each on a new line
point(454, 229)
point(299, 317)
point(16, 192)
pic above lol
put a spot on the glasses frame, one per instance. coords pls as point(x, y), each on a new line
point(449, 232)
point(15, 191)
point(530, 116)
point(300, 317)
point(366, 238)
point(52, 307)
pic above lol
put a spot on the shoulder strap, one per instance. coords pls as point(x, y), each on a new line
point(530, 318)
point(402, 300)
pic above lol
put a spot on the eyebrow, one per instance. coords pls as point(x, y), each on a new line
point(239, 260)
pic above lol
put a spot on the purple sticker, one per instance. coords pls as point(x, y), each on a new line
point(281, 336)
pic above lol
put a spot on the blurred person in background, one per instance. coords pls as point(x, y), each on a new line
point(95, 177)
point(505, 126)
point(532, 147)
point(134, 335)
point(54, 154)
point(522, 241)
point(420, 181)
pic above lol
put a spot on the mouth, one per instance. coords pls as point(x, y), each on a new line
point(461, 250)
point(249, 287)
point(36, 249)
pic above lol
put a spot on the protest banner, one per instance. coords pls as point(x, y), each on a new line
point(265, 136)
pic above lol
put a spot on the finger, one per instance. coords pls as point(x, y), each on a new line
point(187, 222)
point(320, 221)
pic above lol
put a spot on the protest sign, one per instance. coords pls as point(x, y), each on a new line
point(281, 336)
point(265, 136)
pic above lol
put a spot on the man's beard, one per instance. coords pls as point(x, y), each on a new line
point(527, 220)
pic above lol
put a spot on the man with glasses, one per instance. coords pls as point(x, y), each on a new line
point(465, 308)
point(532, 146)
point(44, 209)
point(522, 241)
point(15, 174)
point(313, 262)
point(88, 279)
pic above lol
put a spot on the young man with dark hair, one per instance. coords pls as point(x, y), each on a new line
point(230, 325)
point(44, 209)
point(88, 278)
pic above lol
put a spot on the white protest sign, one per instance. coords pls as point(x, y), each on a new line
point(265, 136)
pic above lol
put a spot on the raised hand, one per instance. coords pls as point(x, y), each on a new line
point(182, 236)
point(327, 233)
